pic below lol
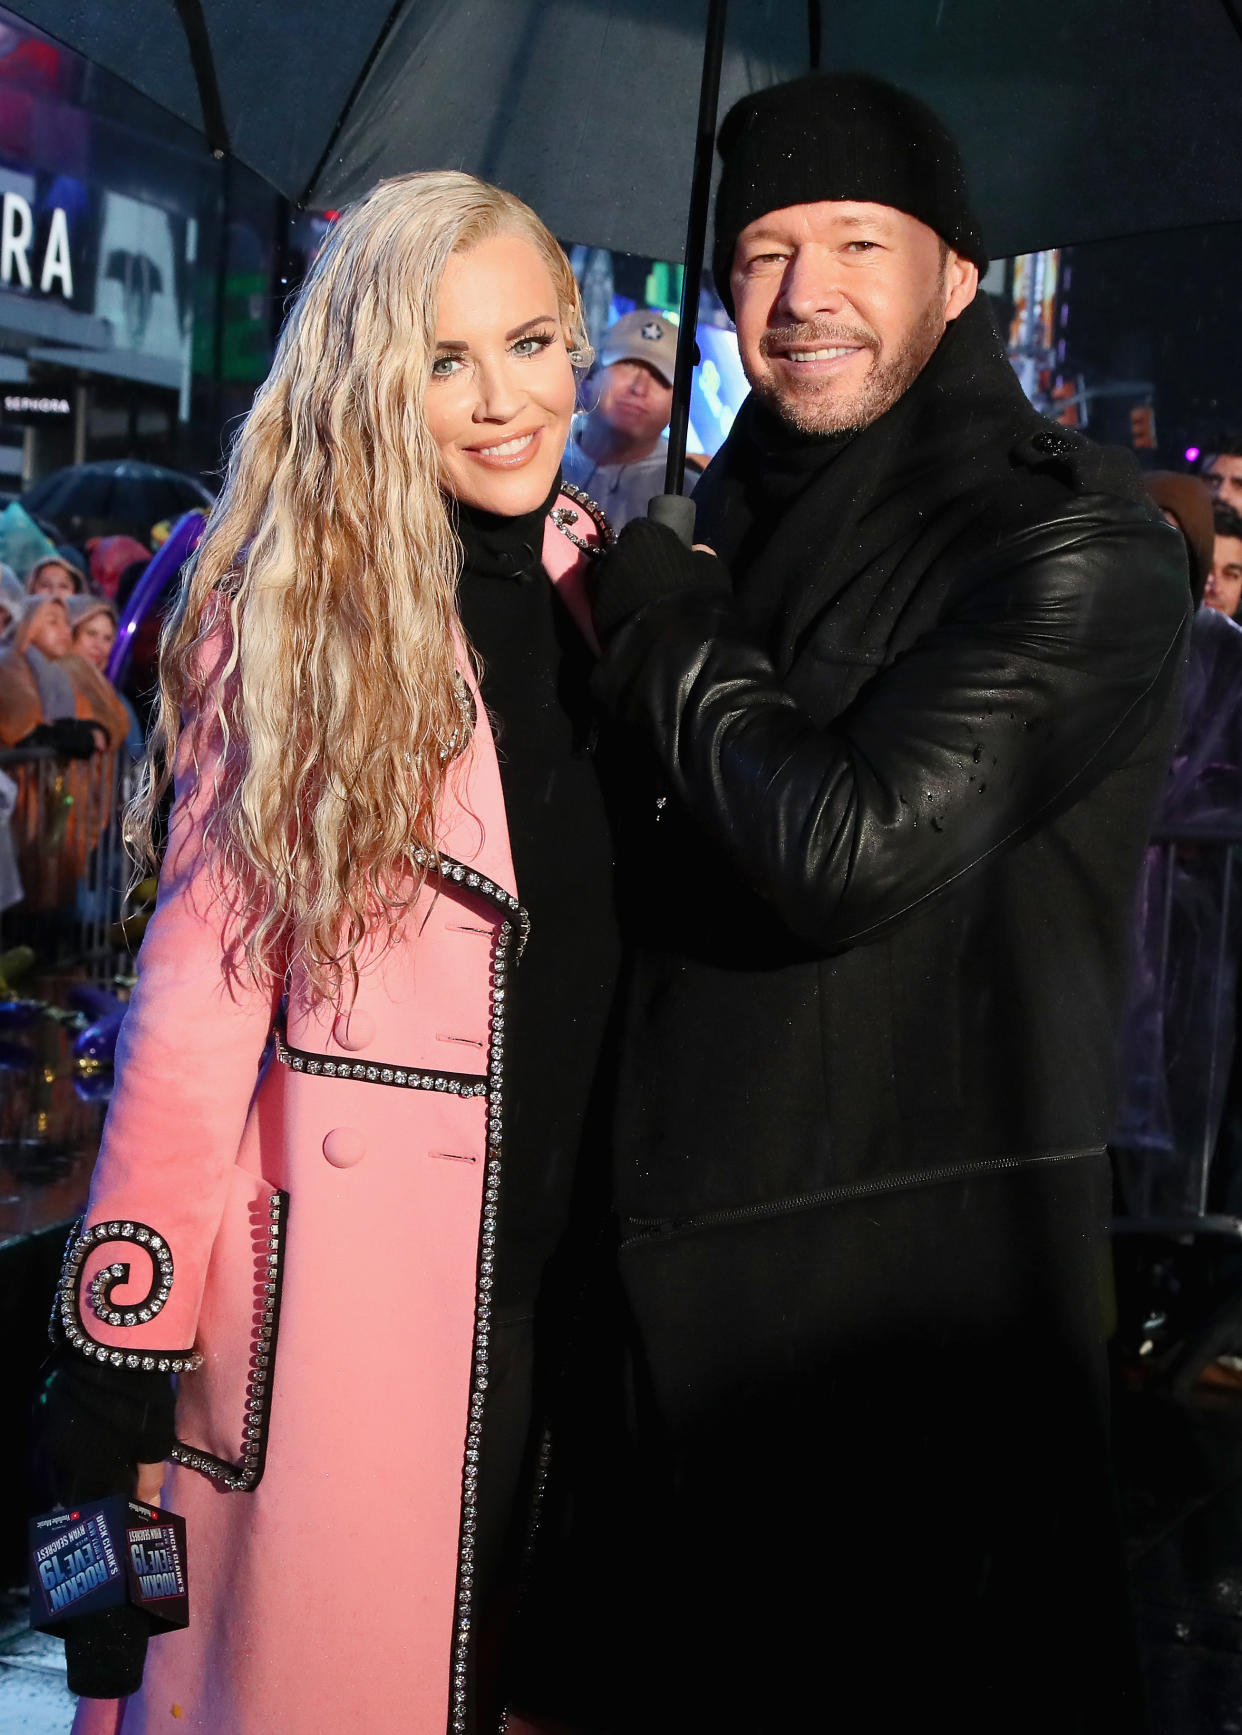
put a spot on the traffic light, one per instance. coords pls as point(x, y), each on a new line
point(1143, 428)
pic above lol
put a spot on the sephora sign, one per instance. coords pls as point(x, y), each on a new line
point(44, 266)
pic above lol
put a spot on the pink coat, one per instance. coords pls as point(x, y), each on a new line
point(340, 1201)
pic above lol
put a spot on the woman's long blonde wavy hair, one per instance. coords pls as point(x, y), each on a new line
point(312, 640)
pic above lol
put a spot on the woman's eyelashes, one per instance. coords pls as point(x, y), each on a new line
point(533, 343)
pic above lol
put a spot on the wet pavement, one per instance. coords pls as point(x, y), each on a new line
point(34, 1699)
point(1180, 1466)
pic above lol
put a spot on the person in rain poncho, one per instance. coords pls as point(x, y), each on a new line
point(53, 697)
point(54, 575)
point(93, 620)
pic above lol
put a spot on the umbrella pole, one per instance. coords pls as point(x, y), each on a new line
point(198, 42)
point(672, 507)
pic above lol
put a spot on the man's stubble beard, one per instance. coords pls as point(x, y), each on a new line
point(822, 412)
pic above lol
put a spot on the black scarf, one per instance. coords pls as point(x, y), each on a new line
point(494, 546)
point(800, 519)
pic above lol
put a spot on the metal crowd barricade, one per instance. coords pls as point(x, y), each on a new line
point(109, 872)
point(66, 830)
point(1172, 1189)
point(1216, 847)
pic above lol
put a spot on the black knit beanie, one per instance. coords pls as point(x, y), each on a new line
point(838, 136)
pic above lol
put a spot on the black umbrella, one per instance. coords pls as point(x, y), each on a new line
point(1078, 120)
point(117, 494)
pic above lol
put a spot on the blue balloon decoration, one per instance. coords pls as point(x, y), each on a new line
point(96, 1088)
point(95, 1049)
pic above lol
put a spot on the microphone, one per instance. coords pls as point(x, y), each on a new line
point(106, 1576)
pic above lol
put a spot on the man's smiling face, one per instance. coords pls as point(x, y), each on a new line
point(839, 307)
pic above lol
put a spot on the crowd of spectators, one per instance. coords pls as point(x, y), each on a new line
point(58, 626)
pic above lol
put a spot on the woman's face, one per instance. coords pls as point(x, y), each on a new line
point(501, 391)
point(50, 631)
point(94, 639)
point(53, 580)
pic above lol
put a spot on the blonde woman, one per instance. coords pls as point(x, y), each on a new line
point(354, 1076)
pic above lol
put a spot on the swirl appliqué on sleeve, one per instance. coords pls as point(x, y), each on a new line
point(67, 1314)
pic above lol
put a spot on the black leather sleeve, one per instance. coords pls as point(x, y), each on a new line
point(1058, 657)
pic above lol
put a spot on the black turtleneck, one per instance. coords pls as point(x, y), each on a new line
point(536, 669)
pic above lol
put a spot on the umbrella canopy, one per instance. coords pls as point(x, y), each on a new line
point(1079, 120)
point(117, 494)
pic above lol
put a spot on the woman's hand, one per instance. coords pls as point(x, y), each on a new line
point(102, 1430)
point(150, 1481)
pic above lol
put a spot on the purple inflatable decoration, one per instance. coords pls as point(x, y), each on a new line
point(162, 571)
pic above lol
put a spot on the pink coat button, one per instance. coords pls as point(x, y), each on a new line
point(353, 1030)
point(344, 1146)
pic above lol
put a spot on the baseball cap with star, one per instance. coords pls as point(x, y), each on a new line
point(641, 336)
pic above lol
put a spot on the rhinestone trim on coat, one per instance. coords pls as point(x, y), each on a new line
point(458, 873)
point(562, 517)
point(66, 1322)
point(380, 1072)
point(459, 1688)
point(244, 1476)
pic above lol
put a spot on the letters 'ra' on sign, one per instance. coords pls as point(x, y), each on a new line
point(21, 264)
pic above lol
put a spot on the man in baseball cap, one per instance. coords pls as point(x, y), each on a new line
point(617, 451)
point(909, 714)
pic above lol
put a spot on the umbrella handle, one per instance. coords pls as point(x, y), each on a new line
point(696, 230)
point(677, 512)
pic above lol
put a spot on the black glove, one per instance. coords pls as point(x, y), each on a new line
point(71, 737)
point(93, 1425)
point(649, 562)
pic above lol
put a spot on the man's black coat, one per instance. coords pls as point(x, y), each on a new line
point(868, 1068)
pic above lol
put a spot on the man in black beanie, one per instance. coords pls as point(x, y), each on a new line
point(907, 723)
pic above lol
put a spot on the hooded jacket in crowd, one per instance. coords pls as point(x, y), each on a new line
point(36, 688)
